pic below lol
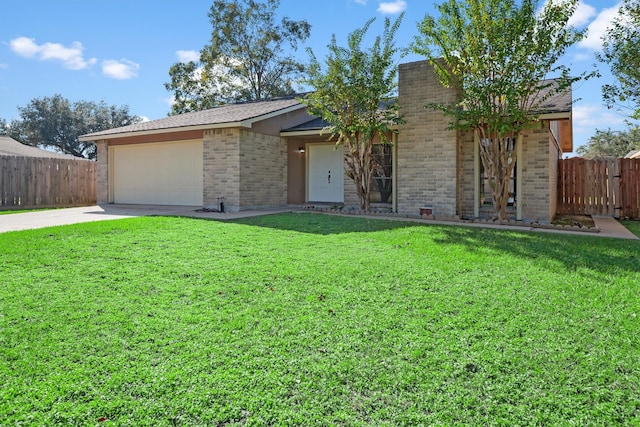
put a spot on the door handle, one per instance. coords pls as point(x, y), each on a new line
point(329, 177)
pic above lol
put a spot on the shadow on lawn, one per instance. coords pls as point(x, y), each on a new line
point(597, 253)
point(318, 223)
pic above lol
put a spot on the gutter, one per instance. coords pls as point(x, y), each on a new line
point(90, 137)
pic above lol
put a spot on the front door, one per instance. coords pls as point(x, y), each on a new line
point(326, 173)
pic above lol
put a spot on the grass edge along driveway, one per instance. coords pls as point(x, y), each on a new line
point(308, 319)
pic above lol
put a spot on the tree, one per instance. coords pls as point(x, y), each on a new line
point(249, 57)
point(497, 55)
point(355, 94)
point(192, 89)
point(610, 144)
point(621, 50)
point(56, 123)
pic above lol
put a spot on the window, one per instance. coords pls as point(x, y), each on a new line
point(382, 190)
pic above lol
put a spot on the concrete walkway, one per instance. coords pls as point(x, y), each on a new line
point(608, 226)
point(54, 217)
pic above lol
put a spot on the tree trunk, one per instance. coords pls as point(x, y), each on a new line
point(498, 155)
point(361, 168)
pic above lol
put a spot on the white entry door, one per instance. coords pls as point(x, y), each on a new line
point(326, 173)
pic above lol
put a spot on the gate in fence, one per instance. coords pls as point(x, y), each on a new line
point(599, 187)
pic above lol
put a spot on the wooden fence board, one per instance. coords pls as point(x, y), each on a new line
point(599, 187)
point(27, 182)
point(630, 187)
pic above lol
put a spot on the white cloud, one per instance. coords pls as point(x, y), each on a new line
point(392, 8)
point(24, 46)
point(188, 55)
point(121, 70)
point(598, 27)
point(71, 57)
point(583, 57)
point(582, 15)
point(169, 101)
point(588, 117)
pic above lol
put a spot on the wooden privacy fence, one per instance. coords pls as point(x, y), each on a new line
point(46, 182)
point(599, 187)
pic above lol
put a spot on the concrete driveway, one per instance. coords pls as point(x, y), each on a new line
point(48, 218)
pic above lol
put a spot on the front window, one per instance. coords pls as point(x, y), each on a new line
point(382, 190)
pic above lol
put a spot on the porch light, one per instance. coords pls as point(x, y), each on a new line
point(300, 149)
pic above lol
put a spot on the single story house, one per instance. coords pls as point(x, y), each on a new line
point(272, 153)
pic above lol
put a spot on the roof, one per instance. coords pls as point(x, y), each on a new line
point(318, 123)
point(230, 115)
point(557, 103)
point(11, 147)
point(634, 154)
point(244, 114)
point(313, 124)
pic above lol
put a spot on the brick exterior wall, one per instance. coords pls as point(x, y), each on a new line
point(537, 176)
point(102, 184)
point(466, 175)
point(426, 152)
point(435, 167)
point(221, 164)
point(263, 170)
point(555, 154)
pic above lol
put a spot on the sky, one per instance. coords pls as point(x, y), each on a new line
point(120, 51)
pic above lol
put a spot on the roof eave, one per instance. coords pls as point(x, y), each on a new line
point(319, 131)
point(558, 115)
point(309, 132)
point(247, 123)
point(92, 137)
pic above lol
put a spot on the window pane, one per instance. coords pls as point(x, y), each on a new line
point(382, 181)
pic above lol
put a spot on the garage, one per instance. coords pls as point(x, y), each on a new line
point(165, 173)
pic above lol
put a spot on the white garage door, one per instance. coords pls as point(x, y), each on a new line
point(165, 173)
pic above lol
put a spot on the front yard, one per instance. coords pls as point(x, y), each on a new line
point(307, 319)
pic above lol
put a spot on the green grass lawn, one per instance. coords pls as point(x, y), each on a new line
point(633, 226)
point(307, 319)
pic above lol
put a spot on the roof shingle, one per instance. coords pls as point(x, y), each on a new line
point(230, 113)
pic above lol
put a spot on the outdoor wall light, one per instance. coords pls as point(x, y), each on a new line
point(300, 149)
